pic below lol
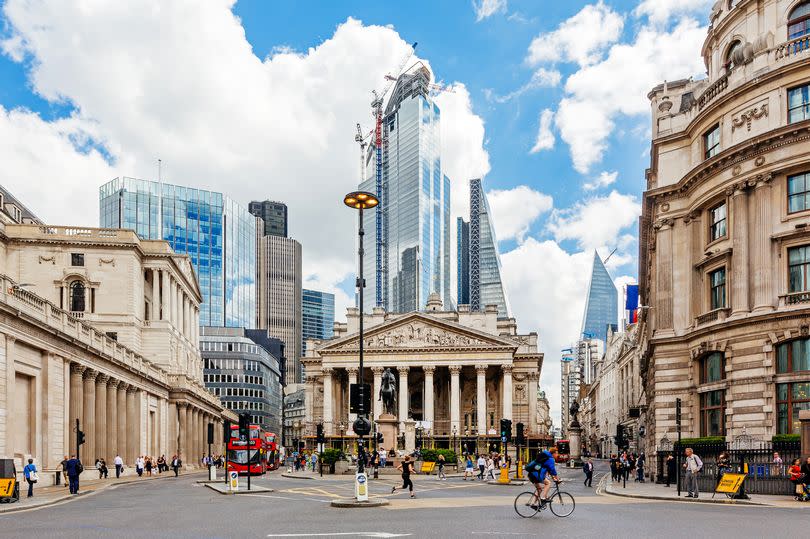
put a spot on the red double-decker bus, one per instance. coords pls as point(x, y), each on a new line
point(239, 448)
point(271, 451)
point(563, 451)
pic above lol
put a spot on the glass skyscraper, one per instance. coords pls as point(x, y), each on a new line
point(274, 215)
point(602, 303)
point(217, 234)
point(414, 259)
point(318, 316)
point(463, 261)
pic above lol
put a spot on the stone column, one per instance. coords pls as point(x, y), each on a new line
point(531, 391)
point(663, 300)
point(375, 395)
point(507, 391)
point(101, 416)
point(186, 325)
point(182, 417)
point(155, 314)
point(403, 396)
point(123, 427)
point(352, 380)
point(328, 417)
point(76, 403)
point(697, 239)
point(428, 411)
point(761, 245)
point(165, 301)
point(89, 419)
point(739, 257)
point(112, 420)
point(133, 426)
point(481, 398)
point(172, 446)
point(455, 399)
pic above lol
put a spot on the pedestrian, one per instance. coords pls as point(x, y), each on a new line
point(723, 465)
point(777, 464)
point(119, 465)
point(383, 457)
point(670, 462)
point(491, 468)
point(63, 464)
point(176, 463)
point(588, 469)
point(406, 467)
point(614, 466)
point(482, 465)
point(693, 466)
point(441, 476)
point(161, 463)
point(103, 472)
point(640, 468)
point(795, 473)
point(31, 476)
point(139, 465)
point(74, 469)
point(149, 466)
point(468, 466)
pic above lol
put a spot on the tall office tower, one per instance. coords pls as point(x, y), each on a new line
point(463, 261)
point(570, 379)
point(601, 305)
point(217, 234)
point(274, 215)
point(408, 255)
point(486, 287)
point(279, 297)
point(317, 315)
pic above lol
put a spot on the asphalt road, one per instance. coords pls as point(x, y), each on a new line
point(181, 509)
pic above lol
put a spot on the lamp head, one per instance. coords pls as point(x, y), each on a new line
point(361, 200)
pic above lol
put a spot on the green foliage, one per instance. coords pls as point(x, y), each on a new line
point(786, 438)
point(432, 455)
point(706, 440)
point(331, 456)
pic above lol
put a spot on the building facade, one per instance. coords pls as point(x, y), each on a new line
point(280, 298)
point(457, 372)
point(217, 234)
point(295, 419)
point(274, 216)
point(601, 304)
point(244, 374)
point(463, 261)
point(724, 242)
point(408, 235)
point(317, 316)
point(103, 330)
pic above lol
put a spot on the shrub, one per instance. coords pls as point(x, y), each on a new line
point(432, 455)
point(786, 438)
point(705, 440)
point(331, 456)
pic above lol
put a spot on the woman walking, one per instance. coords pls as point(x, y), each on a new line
point(30, 474)
point(468, 467)
point(406, 468)
point(491, 467)
point(442, 476)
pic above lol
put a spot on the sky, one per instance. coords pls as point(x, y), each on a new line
point(545, 100)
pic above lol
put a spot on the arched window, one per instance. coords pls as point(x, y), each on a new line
point(77, 296)
point(730, 62)
point(799, 21)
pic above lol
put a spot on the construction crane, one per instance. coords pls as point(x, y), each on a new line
point(361, 139)
point(377, 112)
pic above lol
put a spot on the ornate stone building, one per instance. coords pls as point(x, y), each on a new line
point(100, 326)
point(458, 372)
point(724, 242)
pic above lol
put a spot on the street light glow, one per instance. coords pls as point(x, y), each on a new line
point(360, 200)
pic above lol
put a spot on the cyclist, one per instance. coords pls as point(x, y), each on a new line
point(538, 469)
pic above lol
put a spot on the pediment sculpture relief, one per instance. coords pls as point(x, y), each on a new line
point(418, 335)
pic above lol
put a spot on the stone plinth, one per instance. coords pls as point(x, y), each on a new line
point(387, 425)
point(410, 436)
point(575, 440)
point(804, 418)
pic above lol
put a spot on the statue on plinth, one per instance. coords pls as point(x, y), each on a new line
point(388, 392)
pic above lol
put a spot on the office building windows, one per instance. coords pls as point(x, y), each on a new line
point(711, 142)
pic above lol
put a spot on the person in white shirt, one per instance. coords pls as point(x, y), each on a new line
point(139, 464)
point(491, 467)
point(482, 465)
point(693, 465)
point(119, 465)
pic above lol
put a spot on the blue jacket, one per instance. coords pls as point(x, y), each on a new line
point(539, 463)
point(72, 467)
point(29, 468)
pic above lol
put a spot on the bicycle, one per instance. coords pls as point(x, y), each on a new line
point(562, 504)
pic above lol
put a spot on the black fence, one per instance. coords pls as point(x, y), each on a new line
point(765, 476)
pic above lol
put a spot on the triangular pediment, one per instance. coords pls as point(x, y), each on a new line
point(418, 331)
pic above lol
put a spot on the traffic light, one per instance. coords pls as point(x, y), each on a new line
point(520, 436)
point(620, 442)
point(380, 438)
point(244, 426)
point(319, 434)
point(506, 428)
point(80, 438)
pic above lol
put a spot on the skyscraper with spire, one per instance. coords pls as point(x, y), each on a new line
point(601, 304)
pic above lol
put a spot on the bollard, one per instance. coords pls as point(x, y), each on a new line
point(58, 478)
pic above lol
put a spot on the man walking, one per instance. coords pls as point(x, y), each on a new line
point(119, 465)
point(588, 469)
point(74, 468)
point(482, 465)
point(176, 464)
point(693, 465)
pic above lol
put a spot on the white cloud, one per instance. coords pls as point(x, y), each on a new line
point(596, 222)
point(545, 138)
point(582, 39)
point(662, 11)
point(487, 8)
point(604, 179)
point(541, 78)
point(181, 82)
point(596, 94)
point(514, 210)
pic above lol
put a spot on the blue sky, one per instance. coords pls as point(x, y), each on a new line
point(259, 100)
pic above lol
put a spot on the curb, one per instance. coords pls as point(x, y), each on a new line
point(346, 503)
point(724, 501)
point(508, 484)
point(225, 491)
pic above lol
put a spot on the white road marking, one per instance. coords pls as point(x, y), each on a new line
point(332, 534)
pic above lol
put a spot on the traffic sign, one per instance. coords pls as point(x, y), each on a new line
point(730, 483)
point(233, 482)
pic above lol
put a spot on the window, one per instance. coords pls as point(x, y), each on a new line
point(793, 356)
point(712, 368)
point(798, 104)
point(711, 142)
point(790, 400)
point(798, 188)
point(717, 281)
point(77, 296)
point(798, 266)
point(112, 334)
point(730, 63)
point(76, 259)
point(712, 413)
point(799, 21)
point(717, 219)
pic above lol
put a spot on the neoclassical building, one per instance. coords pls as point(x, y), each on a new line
point(458, 372)
point(724, 242)
point(100, 326)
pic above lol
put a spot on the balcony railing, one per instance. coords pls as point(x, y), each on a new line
point(711, 316)
point(715, 89)
point(794, 47)
point(794, 298)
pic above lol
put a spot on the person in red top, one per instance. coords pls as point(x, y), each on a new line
point(795, 472)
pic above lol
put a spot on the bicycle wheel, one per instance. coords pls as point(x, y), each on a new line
point(562, 504)
point(526, 504)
